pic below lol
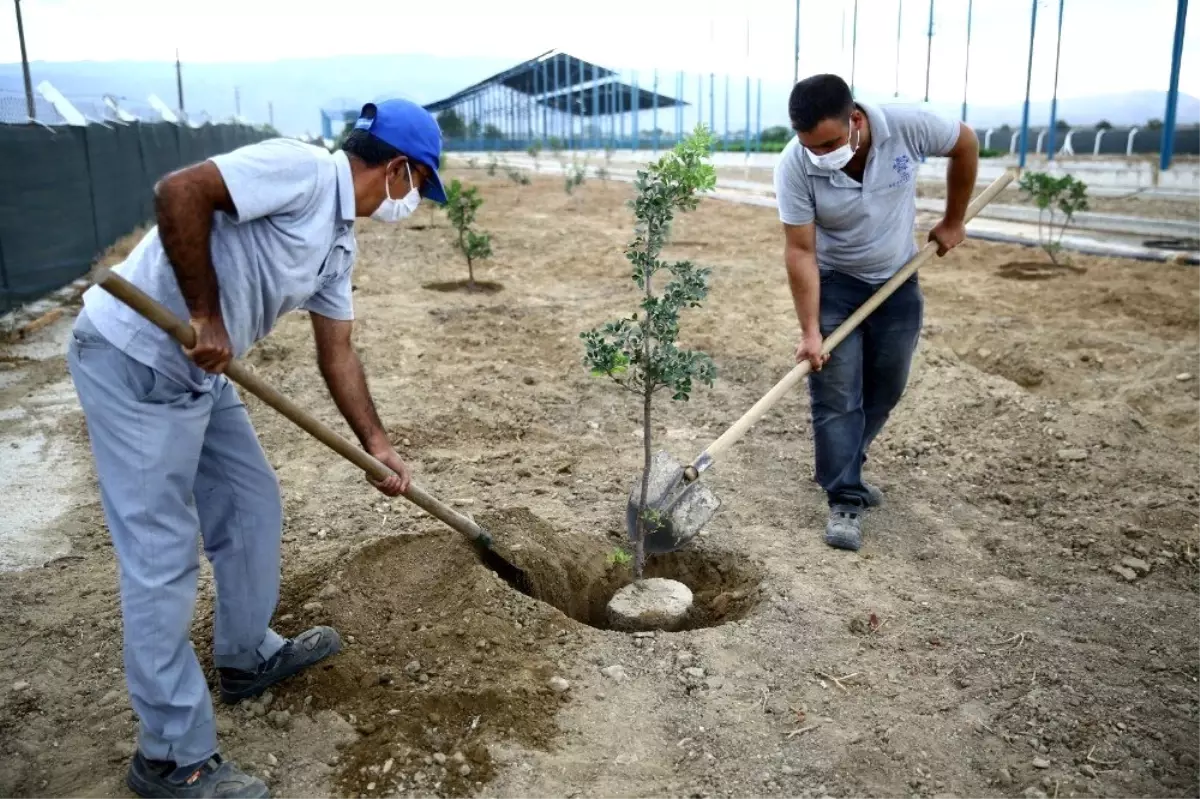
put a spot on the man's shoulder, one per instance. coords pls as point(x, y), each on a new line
point(279, 148)
point(789, 164)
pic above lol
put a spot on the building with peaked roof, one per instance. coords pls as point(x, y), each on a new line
point(554, 97)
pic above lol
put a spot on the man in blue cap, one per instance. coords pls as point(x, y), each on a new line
point(240, 240)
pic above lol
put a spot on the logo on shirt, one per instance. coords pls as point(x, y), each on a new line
point(903, 168)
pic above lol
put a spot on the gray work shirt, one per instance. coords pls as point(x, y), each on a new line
point(291, 245)
point(865, 229)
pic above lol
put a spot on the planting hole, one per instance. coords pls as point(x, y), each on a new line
point(481, 286)
point(576, 573)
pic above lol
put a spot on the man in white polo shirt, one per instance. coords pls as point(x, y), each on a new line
point(846, 189)
point(240, 240)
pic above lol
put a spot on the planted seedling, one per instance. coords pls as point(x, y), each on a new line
point(533, 152)
point(1058, 200)
point(492, 164)
point(472, 163)
point(639, 353)
point(517, 176)
point(462, 203)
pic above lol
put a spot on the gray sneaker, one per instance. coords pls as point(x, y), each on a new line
point(874, 495)
point(844, 528)
point(296, 655)
point(215, 778)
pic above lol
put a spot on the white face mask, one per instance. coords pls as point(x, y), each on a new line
point(391, 210)
point(837, 158)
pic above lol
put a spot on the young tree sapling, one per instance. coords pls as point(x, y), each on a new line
point(1058, 199)
point(639, 353)
point(461, 205)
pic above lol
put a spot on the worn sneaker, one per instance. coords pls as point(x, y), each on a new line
point(296, 655)
point(874, 495)
point(215, 777)
point(844, 528)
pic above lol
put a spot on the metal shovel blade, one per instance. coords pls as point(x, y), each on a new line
point(678, 509)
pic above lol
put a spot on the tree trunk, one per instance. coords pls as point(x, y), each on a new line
point(639, 554)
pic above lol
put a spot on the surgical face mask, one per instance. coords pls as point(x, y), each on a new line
point(837, 158)
point(391, 210)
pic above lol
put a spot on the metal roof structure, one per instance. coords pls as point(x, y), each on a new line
point(552, 77)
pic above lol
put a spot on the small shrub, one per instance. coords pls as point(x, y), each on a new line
point(517, 176)
point(472, 163)
point(492, 165)
point(533, 152)
point(575, 177)
point(618, 557)
point(639, 353)
point(462, 203)
point(1058, 199)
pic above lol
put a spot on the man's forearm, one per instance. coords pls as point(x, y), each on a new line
point(960, 182)
point(343, 373)
point(804, 279)
point(184, 216)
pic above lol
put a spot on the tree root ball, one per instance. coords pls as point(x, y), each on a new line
point(653, 604)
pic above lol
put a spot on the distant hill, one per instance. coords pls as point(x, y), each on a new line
point(299, 88)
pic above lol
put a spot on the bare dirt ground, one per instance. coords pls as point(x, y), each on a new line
point(981, 641)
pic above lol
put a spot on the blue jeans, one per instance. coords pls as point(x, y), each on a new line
point(862, 381)
point(175, 466)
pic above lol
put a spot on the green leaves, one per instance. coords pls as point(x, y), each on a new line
point(640, 352)
point(1059, 198)
point(462, 203)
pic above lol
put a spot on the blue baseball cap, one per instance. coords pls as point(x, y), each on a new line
point(413, 131)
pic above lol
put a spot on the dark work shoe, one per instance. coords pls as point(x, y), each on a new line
point(215, 777)
point(844, 528)
point(296, 655)
point(874, 495)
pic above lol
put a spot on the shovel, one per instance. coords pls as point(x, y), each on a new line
point(182, 332)
point(678, 504)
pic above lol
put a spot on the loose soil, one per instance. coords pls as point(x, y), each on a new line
point(981, 640)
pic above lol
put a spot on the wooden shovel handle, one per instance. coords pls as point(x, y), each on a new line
point(182, 332)
point(739, 428)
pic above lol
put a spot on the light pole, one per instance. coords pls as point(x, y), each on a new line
point(25, 63)
point(1028, 82)
point(1051, 145)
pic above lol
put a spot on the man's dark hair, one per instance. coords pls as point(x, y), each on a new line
point(818, 98)
point(370, 150)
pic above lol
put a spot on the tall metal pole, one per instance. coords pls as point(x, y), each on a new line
point(1168, 134)
point(636, 116)
point(929, 51)
point(654, 116)
point(747, 137)
point(796, 52)
point(712, 103)
point(29, 106)
point(595, 106)
point(1052, 144)
point(967, 68)
point(699, 99)
point(178, 79)
point(1028, 82)
point(854, 47)
point(725, 137)
point(899, 17)
point(758, 121)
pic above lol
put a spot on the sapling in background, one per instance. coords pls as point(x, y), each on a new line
point(492, 164)
point(517, 176)
point(461, 205)
point(639, 353)
point(533, 152)
point(1058, 199)
point(575, 177)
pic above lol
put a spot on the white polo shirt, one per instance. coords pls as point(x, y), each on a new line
point(291, 245)
point(865, 229)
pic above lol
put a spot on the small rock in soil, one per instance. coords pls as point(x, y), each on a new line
point(615, 672)
point(1088, 770)
point(328, 592)
point(685, 659)
point(1136, 564)
point(714, 683)
point(413, 668)
point(1041, 762)
point(1004, 777)
point(224, 726)
point(280, 719)
point(1183, 377)
point(464, 770)
point(439, 758)
point(274, 761)
point(312, 607)
point(559, 685)
point(1033, 792)
point(459, 757)
point(655, 603)
point(124, 749)
point(1128, 574)
point(695, 673)
point(1073, 454)
point(20, 685)
point(109, 698)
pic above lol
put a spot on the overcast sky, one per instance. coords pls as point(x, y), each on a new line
point(1108, 45)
